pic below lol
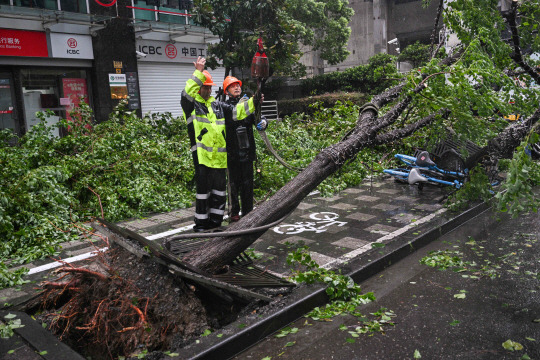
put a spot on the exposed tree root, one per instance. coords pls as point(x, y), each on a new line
point(114, 309)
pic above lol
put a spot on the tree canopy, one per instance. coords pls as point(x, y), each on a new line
point(286, 25)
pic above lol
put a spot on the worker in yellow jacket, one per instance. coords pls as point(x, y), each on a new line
point(206, 118)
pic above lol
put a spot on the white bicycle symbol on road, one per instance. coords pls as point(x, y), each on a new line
point(325, 219)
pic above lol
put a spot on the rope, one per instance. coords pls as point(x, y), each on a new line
point(278, 158)
point(335, 158)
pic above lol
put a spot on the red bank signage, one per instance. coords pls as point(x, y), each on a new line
point(23, 43)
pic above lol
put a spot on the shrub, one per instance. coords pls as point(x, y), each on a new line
point(371, 78)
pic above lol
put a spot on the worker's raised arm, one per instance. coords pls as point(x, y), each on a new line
point(193, 85)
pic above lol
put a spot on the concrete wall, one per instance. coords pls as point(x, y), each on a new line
point(374, 23)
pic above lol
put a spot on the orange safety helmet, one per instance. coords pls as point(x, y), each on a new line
point(208, 78)
point(229, 80)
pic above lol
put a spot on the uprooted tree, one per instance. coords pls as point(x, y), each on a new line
point(463, 92)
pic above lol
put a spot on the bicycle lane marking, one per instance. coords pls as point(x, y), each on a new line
point(350, 255)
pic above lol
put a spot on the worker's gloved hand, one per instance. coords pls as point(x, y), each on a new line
point(263, 124)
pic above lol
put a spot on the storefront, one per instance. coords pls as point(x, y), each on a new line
point(42, 71)
point(163, 71)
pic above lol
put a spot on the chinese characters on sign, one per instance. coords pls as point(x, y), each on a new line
point(170, 52)
point(133, 90)
point(23, 43)
point(75, 90)
point(118, 86)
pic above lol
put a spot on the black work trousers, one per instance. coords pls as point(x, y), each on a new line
point(241, 182)
point(211, 196)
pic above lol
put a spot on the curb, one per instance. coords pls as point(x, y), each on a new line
point(41, 340)
point(366, 266)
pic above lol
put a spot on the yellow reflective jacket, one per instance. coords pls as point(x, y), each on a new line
point(206, 122)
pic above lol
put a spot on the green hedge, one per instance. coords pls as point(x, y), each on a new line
point(377, 75)
point(304, 105)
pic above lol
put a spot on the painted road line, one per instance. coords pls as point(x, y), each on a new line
point(348, 256)
point(70, 260)
point(170, 232)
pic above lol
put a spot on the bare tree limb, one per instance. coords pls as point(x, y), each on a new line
point(517, 56)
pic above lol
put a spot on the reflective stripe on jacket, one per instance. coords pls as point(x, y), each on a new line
point(206, 122)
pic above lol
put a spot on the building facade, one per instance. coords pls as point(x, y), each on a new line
point(55, 53)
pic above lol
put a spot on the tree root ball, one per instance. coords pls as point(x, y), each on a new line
point(120, 304)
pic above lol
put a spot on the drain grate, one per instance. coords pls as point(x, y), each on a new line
point(241, 272)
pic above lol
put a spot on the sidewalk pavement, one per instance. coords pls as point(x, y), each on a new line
point(340, 232)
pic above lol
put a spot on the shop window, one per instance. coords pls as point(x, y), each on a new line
point(54, 90)
point(40, 4)
point(78, 6)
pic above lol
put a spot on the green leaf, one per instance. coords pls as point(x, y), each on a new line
point(290, 343)
point(416, 354)
point(512, 345)
point(350, 340)
point(460, 296)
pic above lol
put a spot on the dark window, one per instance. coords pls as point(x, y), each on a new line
point(40, 4)
point(404, 1)
point(78, 6)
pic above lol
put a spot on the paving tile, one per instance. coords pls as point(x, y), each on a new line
point(367, 198)
point(162, 218)
point(343, 206)
point(79, 252)
point(140, 224)
point(375, 183)
point(305, 206)
point(334, 229)
point(405, 218)
point(320, 258)
point(296, 240)
point(350, 242)
point(389, 191)
point(71, 244)
point(184, 224)
point(406, 198)
point(329, 199)
point(353, 191)
point(385, 206)
point(360, 216)
point(381, 229)
point(429, 207)
point(11, 293)
point(182, 213)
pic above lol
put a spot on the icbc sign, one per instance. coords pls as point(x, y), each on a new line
point(71, 46)
point(170, 51)
point(72, 43)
